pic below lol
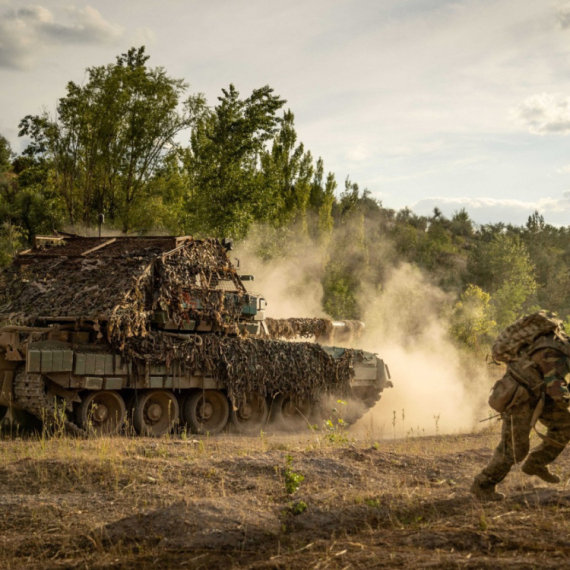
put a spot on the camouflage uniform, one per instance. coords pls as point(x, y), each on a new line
point(553, 369)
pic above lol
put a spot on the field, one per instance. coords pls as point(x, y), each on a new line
point(322, 500)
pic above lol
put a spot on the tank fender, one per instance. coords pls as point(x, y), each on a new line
point(383, 374)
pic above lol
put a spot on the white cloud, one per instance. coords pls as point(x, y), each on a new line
point(86, 26)
point(544, 113)
point(26, 33)
point(564, 169)
point(493, 210)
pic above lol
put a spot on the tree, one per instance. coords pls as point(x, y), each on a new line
point(505, 270)
point(27, 204)
point(227, 193)
point(340, 288)
point(6, 155)
point(472, 323)
point(11, 240)
point(461, 224)
point(326, 221)
point(287, 171)
point(111, 135)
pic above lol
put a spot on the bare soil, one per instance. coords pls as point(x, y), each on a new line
point(225, 502)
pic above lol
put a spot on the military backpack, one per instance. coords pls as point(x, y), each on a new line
point(523, 333)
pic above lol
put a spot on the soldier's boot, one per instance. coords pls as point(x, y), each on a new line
point(540, 471)
point(485, 491)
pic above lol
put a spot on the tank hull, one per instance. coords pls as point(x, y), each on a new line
point(44, 376)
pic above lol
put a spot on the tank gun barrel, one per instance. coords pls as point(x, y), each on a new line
point(348, 325)
point(321, 329)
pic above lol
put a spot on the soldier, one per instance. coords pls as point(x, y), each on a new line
point(544, 371)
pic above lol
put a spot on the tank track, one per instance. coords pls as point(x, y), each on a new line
point(355, 407)
point(29, 392)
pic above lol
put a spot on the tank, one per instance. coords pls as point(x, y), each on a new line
point(159, 333)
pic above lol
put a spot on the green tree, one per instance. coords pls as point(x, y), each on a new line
point(472, 322)
point(461, 224)
point(11, 240)
point(226, 189)
point(110, 136)
point(326, 221)
point(548, 248)
point(340, 289)
point(6, 155)
point(504, 269)
point(287, 170)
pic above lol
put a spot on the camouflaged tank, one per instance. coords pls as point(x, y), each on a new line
point(159, 332)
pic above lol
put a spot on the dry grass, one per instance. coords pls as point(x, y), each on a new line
point(222, 502)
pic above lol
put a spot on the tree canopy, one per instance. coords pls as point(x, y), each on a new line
point(110, 136)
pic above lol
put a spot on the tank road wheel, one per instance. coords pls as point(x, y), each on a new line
point(290, 413)
point(207, 411)
point(155, 412)
point(102, 412)
point(251, 415)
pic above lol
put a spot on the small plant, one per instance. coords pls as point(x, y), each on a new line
point(436, 420)
point(263, 439)
point(374, 503)
point(335, 433)
point(298, 508)
point(293, 480)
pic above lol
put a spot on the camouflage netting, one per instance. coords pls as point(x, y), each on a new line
point(299, 328)
point(322, 329)
point(191, 282)
point(248, 366)
point(204, 269)
point(120, 283)
point(82, 278)
point(68, 288)
point(102, 279)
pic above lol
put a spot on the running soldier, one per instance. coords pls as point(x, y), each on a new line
point(540, 373)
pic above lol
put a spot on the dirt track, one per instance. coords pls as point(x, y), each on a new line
point(223, 503)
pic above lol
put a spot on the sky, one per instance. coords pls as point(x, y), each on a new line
point(426, 103)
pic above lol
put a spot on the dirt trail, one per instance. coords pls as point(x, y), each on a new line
point(224, 503)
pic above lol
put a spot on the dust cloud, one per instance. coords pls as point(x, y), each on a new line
point(290, 283)
point(438, 389)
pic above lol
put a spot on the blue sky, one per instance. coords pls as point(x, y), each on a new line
point(426, 103)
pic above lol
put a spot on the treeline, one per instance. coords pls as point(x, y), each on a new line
point(131, 145)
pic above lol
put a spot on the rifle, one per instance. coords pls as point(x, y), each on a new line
point(490, 418)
